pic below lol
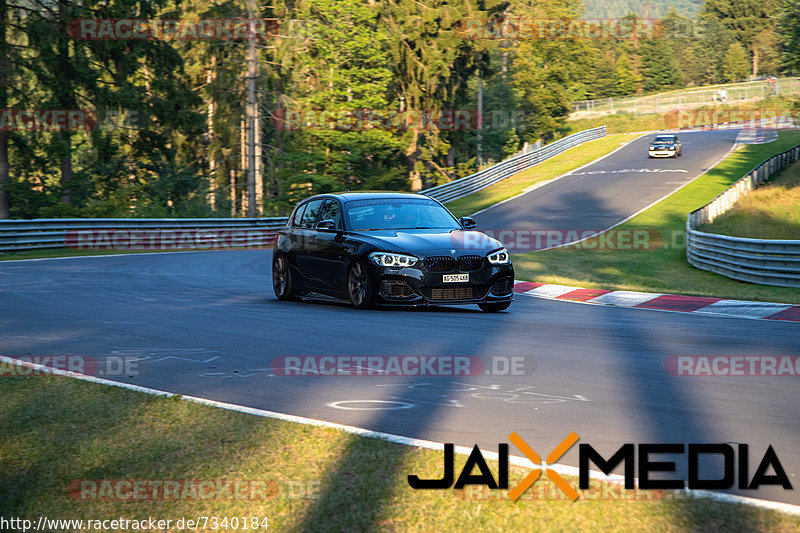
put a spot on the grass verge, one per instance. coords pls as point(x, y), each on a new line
point(57, 430)
point(662, 269)
point(619, 123)
point(552, 168)
point(770, 212)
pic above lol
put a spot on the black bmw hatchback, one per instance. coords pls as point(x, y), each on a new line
point(388, 248)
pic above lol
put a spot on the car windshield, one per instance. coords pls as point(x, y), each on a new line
point(664, 140)
point(399, 213)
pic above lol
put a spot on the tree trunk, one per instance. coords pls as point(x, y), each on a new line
point(755, 60)
point(66, 168)
point(210, 152)
point(4, 72)
point(4, 178)
point(252, 195)
point(66, 100)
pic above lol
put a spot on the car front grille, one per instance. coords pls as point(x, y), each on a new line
point(470, 262)
point(502, 287)
point(440, 263)
point(467, 292)
point(445, 263)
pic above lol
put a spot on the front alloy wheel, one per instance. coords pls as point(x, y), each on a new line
point(359, 286)
point(282, 278)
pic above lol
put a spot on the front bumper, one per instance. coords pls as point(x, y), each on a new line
point(662, 153)
point(419, 286)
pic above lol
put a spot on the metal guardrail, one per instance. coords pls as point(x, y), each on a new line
point(222, 233)
point(764, 261)
point(137, 233)
point(504, 169)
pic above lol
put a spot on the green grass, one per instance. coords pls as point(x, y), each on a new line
point(56, 430)
point(663, 269)
point(770, 212)
point(552, 168)
point(619, 123)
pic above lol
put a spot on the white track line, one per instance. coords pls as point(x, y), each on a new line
point(407, 441)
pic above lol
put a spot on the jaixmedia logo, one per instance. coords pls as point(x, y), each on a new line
point(733, 459)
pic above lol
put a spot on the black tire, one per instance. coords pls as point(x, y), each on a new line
point(360, 289)
point(282, 278)
point(494, 307)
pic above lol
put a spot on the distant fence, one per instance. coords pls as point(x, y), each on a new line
point(764, 261)
point(685, 99)
point(131, 234)
point(504, 169)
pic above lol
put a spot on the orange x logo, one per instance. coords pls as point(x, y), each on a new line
point(554, 456)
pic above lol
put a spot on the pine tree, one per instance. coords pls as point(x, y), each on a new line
point(736, 63)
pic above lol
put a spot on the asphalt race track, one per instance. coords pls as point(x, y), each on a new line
point(207, 324)
point(610, 190)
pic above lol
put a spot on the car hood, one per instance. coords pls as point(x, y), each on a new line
point(431, 241)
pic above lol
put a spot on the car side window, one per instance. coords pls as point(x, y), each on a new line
point(310, 214)
point(298, 214)
point(332, 211)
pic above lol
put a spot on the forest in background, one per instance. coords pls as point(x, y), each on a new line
point(173, 124)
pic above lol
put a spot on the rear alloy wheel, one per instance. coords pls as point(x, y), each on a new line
point(494, 307)
point(282, 278)
point(359, 286)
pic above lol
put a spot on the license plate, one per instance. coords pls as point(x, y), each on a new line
point(455, 278)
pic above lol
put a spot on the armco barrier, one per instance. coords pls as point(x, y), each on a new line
point(137, 233)
point(764, 261)
point(206, 233)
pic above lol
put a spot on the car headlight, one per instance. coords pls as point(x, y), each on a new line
point(500, 257)
point(672, 147)
point(386, 259)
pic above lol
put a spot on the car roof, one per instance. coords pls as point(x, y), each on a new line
point(666, 135)
point(347, 196)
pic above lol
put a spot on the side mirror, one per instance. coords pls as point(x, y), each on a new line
point(326, 225)
point(468, 223)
